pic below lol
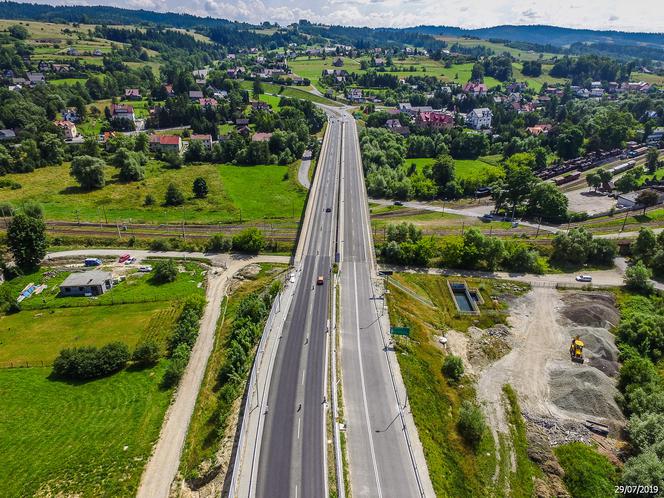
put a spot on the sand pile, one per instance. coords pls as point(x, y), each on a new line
point(584, 390)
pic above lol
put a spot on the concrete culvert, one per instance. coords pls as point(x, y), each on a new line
point(583, 390)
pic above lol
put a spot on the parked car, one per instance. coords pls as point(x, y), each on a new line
point(92, 262)
point(123, 258)
point(584, 278)
point(398, 203)
point(145, 269)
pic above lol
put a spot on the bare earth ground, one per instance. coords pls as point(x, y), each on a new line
point(585, 200)
point(555, 395)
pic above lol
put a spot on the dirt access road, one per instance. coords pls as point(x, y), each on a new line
point(549, 385)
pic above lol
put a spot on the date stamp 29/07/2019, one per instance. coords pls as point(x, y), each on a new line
point(637, 489)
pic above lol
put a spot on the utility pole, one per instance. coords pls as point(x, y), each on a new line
point(538, 226)
point(184, 236)
point(624, 221)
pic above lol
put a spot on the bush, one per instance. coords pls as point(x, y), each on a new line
point(646, 469)
point(165, 271)
point(177, 365)
point(90, 362)
point(471, 423)
point(637, 277)
point(146, 353)
point(160, 245)
point(149, 200)
point(219, 243)
point(587, 473)
point(250, 240)
point(173, 196)
point(453, 367)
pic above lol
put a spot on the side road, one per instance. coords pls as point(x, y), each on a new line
point(165, 459)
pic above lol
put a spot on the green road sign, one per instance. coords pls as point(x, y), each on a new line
point(400, 330)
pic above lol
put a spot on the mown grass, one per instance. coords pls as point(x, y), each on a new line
point(31, 337)
point(588, 474)
point(247, 192)
point(290, 91)
point(136, 288)
point(77, 439)
point(204, 433)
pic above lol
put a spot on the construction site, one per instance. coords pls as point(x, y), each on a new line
point(558, 354)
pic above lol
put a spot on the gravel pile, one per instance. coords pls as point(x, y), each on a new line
point(600, 350)
point(584, 390)
point(591, 309)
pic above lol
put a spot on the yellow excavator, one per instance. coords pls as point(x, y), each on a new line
point(576, 350)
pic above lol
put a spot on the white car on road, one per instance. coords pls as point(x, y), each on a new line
point(584, 278)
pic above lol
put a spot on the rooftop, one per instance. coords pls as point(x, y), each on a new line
point(92, 277)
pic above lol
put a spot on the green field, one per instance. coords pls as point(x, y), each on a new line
point(88, 439)
point(465, 168)
point(34, 337)
point(68, 81)
point(290, 91)
point(247, 192)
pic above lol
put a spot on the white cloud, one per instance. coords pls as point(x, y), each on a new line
point(637, 15)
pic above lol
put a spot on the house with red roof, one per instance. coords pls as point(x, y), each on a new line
point(434, 120)
point(475, 89)
point(122, 111)
point(165, 143)
point(208, 102)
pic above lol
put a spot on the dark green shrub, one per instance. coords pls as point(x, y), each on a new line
point(453, 367)
point(471, 423)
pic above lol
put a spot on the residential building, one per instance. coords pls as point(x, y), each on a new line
point(539, 129)
point(208, 102)
point(122, 111)
point(435, 120)
point(475, 89)
point(35, 78)
point(338, 62)
point(261, 137)
point(355, 95)
point(479, 118)
point(206, 140)
point(168, 89)
point(195, 94)
point(132, 94)
point(394, 125)
point(7, 134)
point(628, 200)
point(68, 128)
point(87, 283)
point(166, 143)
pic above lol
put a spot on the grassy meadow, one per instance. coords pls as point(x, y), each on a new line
point(246, 192)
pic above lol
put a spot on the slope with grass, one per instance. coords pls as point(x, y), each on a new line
point(250, 192)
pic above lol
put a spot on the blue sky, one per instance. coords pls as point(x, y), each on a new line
point(634, 15)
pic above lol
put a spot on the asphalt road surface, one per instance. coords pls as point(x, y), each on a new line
point(292, 460)
point(380, 464)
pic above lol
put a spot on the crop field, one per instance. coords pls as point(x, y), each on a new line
point(235, 192)
point(89, 439)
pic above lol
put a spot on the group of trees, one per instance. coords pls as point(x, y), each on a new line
point(405, 245)
point(89, 362)
point(648, 249)
point(641, 342)
point(578, 247)
point(182, 340)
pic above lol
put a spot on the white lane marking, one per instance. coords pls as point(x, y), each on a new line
point(296, 491)
point(302, 377)
point(299, 419)
point(364, 389)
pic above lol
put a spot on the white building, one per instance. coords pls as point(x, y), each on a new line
point(479, 118)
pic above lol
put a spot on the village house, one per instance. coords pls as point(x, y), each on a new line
point(355, 95)
point(166, 143)
point(7, 134)
point(168, 89)
point(539, 129)
point(261, 137)
point(435, 120)
point(87, 283)
point(70, 114)
point(208, 102)
point(35, 78)
point(206, 140)
point(479, 118)
point(122, 111)
point(132, 94)
point(68, 129)
point(475, 89)
point(60, 68)
point(195, 94)
point(259, 105)
point(395, 126)
point(338, 62)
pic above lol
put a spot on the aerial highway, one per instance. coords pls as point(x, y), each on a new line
point(292, 460)
point(382, 461)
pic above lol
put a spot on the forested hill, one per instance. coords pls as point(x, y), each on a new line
point(545, 35)
point(107, 15)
